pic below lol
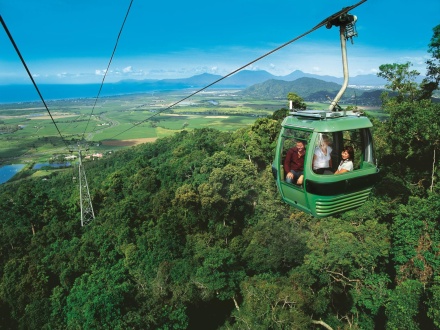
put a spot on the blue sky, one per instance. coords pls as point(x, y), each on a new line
point(72, 41)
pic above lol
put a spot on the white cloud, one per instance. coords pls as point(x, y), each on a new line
point(100, 72)
point(252, 67)
point(138, 73)
point(128, 69)
point(62, 74)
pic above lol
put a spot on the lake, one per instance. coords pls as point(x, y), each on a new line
point(55, 165)
point(8, 171)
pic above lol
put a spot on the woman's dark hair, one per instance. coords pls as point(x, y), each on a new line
point(350, 151)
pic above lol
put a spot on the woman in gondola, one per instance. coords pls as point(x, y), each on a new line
point(346, 164)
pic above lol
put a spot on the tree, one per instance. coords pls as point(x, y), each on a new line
point(280, 114)
point(24, 288)
point(271, 302)
point(403, 306)
point(409, 140)
point(401, 80)
point(434, 302)
point(415, 235)
point(432, 80)
point(346, 267)
point(99, 299)
point(228, 197)
point(258, 142)
point(297, 101)
point(218, 273)
point(409, 143)
point(274, 246)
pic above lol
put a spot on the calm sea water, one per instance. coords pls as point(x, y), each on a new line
point(8, 171)
point(27, 93)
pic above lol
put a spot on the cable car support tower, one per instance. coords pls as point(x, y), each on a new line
point(87, 213)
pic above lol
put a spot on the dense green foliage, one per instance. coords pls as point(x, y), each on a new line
point(190, 233)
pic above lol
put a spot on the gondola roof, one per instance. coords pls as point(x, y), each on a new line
point(322, 121)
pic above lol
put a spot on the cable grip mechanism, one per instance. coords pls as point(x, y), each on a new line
point(348, 22)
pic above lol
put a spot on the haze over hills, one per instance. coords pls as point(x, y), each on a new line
point(246, 78)
point(241, 80)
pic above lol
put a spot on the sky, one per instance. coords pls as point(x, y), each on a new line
point(66, 41)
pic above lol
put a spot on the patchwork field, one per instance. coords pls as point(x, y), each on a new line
point(29, 134)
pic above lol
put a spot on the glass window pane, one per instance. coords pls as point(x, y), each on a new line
point(322, 154)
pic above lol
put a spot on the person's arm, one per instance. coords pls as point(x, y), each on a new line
point(301, 159)
point(287, 161)
point(346, 167)
point(287, 164)
point(329, 153)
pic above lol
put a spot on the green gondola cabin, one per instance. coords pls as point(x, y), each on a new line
point(324, 194)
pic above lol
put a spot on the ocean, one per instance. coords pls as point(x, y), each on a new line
point(28, 93)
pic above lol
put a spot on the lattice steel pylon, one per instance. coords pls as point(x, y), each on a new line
point(87, 214)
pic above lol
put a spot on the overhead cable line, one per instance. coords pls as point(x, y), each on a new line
point(323, 23)
point(108, 66)
point(32, 78)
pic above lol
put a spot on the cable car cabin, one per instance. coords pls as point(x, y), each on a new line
point(325, 134)
point(323, 193)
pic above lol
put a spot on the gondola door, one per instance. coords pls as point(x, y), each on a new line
point(291, 193)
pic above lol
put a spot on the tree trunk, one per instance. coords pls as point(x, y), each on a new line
point(236, 304)
point(321, 322)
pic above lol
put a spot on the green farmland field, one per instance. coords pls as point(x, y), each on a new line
point(28, 133)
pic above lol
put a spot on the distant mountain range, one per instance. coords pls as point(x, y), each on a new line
point(241, 80)
point(246, 78)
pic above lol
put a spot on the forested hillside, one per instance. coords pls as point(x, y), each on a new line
point(311, 90)
point(190, 233)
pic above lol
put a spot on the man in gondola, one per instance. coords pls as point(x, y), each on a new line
point(294, 163)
